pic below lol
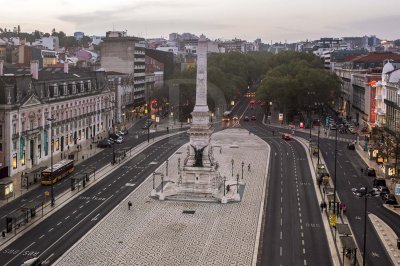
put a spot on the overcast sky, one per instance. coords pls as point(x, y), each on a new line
point(270, 20)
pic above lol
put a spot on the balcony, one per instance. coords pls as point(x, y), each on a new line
point(140, 45)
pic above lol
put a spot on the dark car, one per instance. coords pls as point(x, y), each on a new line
point(389, 199)
point(246, 118)
point(379, 182)
point(104, 144)
point(253, 117)
point(371, 172)
point(383, 190)
point(114, 136)
point(351, 146)
point(286, 137)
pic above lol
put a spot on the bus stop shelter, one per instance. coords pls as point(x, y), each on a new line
point(6, 188)
point(349, 249)
point(31, 178)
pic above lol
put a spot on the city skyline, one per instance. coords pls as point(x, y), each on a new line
point(276, 21)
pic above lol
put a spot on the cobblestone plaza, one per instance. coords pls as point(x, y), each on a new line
point(159, 233)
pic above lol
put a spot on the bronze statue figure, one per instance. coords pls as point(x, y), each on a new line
point(198, 156)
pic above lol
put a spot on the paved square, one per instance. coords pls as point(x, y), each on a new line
point(158, 233)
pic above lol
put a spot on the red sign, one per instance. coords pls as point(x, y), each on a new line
point(301, 125)
point(372, 116)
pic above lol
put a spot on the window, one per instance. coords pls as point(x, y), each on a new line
point(14, 145)
point(1, 131)
point(1, 146)
point(55, 88)
point(14, 128)
point(23, 126)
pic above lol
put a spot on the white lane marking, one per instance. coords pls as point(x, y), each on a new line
point(302, 242)
point(304, 251)
point(19, 253)
point(302, 234)
point(280, 251)
point(41, 236)
point(80, 207)
point(305, 262)
point(77, 224)
point(51, 229)
point(281, 235)
point(74, 212)
point(66, 218)
point(59, 223)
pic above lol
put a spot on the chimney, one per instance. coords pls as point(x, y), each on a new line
point(66, 67)
point(35, 69)
point(1, 67)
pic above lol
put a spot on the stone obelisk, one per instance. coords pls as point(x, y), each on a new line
point(201, 130)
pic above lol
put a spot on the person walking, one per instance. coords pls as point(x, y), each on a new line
point(248, 167)
point(129, 205)
point(321, 206)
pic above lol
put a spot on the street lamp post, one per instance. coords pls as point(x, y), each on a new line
point(154, 175)
point(367, 194)
point(224, 184)
point(237, 183)
point(335, 183)
point(318, 138)
point(242, 169)
point(232, 166)
point(51, 160)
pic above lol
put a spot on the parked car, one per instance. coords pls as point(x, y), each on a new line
point(332, 127)
point(253, 117)
point(379, 182)
point(351, 146)
point(359, 192)
point(383, 190)
point(389, 199)
point(286, 137)
point(235, 118)
point(119, 140)
point(114, 136)
point(371, 172)
point(246, 118)
point(104, 144)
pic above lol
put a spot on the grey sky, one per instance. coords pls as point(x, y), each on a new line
point(276, 20)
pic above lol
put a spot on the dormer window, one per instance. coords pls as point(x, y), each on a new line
point(89, 85)
point(73, 88)
point(82, 87)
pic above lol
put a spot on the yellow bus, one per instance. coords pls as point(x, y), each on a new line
point(60, 169)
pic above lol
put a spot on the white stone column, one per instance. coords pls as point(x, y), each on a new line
point(201, 81)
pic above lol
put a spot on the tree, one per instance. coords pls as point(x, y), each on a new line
point(397, 42)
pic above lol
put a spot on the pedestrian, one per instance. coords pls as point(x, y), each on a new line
point(228, 187)
point(167, 129)
point(321, 206)
point(129, 205)
point(220, 150)
point(362, 171)
point(248, 167)
point(340, 207)
point(325, 205)
point(319, 182)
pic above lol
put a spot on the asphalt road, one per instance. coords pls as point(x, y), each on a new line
point(293, 232)
point(137, 135)
point(348, 176)
point(58, 232)
point(348, 173)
